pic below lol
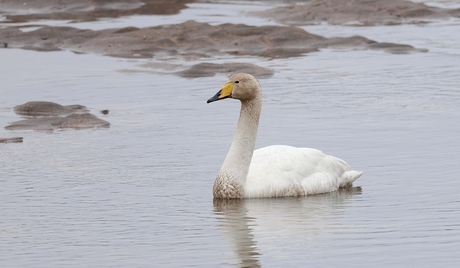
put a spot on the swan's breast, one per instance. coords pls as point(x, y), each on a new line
point(226, 186)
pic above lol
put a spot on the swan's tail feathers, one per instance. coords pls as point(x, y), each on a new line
point(349, 177)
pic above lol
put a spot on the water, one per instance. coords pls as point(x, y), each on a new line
point(139, 193)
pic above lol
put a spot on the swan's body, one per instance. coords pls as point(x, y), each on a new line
point(273, 171)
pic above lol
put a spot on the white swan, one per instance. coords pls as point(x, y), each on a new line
point(273, 171)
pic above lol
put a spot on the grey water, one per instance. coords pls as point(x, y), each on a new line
point(139, 193)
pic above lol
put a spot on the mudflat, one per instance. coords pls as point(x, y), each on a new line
point(45, 115)
point(11, 140)
point(198, 40)
point(22, 11)
point(357, 12)
point(188, 38)
point(75, 121)
point(46, 108)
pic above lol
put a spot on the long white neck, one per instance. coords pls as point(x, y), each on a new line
point(232, 176)
point(240, 154)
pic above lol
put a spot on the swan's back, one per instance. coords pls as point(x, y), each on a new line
point(280, 170)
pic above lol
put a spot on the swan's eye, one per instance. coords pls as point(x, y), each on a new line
point(237, 82)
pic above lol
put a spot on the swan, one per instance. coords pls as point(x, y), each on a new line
point(272, 171)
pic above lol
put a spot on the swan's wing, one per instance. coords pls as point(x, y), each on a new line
point(288, 171)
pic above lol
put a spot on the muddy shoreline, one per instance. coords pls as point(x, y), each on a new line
point(190, 38)
point(300, 12)
point(200, 40)
point(358, 13)
point(193, 40)
point(47, 116)
point(74, 10)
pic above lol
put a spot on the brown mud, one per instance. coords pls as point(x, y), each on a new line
point(11, 140)
point(194, 40)
point(45, 108)
point(189, 38)
point(90, 10)
point(357, 12)
point(44, 115)
point(49, 123)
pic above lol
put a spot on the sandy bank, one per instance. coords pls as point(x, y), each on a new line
point(358, 12)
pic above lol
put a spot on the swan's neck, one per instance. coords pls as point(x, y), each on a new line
point(231, 180)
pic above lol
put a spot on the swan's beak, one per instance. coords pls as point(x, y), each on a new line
point(225, 92)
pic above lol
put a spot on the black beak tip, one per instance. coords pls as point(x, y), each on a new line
point(215, 97)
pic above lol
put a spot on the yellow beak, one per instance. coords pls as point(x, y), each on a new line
point(225, 92)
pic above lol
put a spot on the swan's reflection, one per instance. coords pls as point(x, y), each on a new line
point(299, 218)
point(236, 225)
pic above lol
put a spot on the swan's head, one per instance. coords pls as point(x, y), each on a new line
point(239, 86)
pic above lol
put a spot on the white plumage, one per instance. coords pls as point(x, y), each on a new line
point(280, 170)
point(273, 171)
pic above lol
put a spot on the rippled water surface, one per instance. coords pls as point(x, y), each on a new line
point(139, 193)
